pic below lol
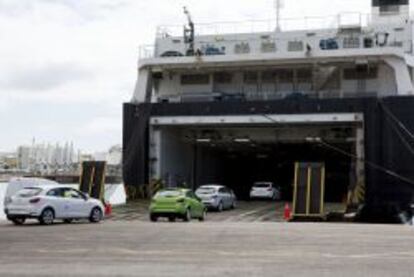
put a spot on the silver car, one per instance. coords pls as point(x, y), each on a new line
point(217, 197)
point(265, 190)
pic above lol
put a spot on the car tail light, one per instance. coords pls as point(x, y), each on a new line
point(34, 200)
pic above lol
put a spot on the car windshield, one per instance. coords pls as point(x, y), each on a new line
point(29, 192)
point(261, 185)
point(169, 193)
point(206, 190)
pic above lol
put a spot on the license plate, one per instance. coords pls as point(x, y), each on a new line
point(18, 211)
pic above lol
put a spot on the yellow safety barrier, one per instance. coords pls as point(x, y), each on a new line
point(309, 190)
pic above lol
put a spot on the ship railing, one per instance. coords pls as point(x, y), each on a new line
point(270, 25)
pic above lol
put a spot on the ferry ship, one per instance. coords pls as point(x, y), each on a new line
point(235, 103)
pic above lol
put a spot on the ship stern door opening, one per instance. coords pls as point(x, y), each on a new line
point(239, 151)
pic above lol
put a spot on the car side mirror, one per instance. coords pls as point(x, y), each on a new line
point(86, 196)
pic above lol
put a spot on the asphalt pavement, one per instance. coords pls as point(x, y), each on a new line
point(137, 248)
point(246, 211)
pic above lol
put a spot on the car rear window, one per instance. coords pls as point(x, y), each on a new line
point(206, 190)
point(29, 192)
point(262, 185)
point(169, 193)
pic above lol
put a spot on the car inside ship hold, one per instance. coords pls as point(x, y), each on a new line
point(223, 150)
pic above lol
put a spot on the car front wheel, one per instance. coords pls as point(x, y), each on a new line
point(203, 216)
point(220, 207)
point(187, 215)
point(96, 215)
point(47, 217)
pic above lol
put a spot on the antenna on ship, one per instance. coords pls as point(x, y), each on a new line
point(278, 8)
point(189, 33)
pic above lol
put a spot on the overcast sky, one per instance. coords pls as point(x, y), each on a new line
point(66, 66)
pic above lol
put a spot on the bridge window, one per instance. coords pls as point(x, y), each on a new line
point(223, 77)
point(304, 75)
point(389, 9)
point(360, 73)
point(295, 46)
point(284, 75)
point(195, 79)
point(251, 77)
point(268, 76)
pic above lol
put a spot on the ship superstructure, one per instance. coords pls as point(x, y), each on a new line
point(353, 55)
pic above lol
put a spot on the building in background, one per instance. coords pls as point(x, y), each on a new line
point(23, 158)
point(8, 161)
point(57, 159)
point(114, 161)
point(45, 158)
point(114, 155)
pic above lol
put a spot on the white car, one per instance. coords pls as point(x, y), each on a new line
point(217, 197)
point(49, 202)
point(265, 190)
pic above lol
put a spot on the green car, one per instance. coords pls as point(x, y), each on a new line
point(173, 203)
